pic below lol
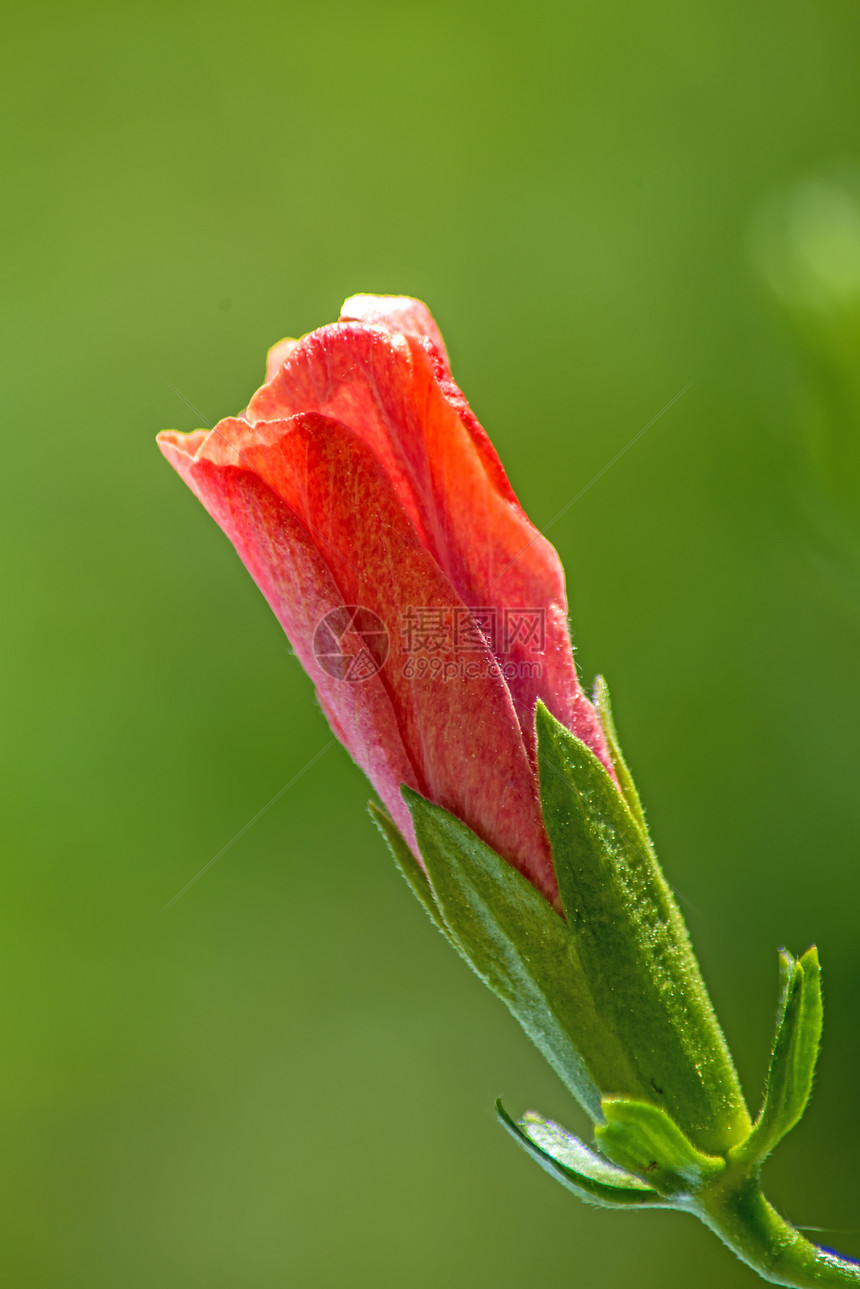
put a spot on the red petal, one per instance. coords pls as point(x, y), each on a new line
point(461, 733)
point(399, 313)
point(278, 355)
point(283, 559)
point(403, 403)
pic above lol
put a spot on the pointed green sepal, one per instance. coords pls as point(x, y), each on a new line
point(622, 773)
point(644, 1140)
point(519, 946)
point(795, 1052)
point(411, 870)
point(570, 1162)
point(632, 942)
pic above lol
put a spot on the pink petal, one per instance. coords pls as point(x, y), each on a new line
point(278, 355)
point(283, 559)
point(461, 733)
point(399, 313)
point(399, 397)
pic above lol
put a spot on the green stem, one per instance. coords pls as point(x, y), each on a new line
point(743, 1219)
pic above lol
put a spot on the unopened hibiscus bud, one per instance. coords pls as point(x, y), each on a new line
point(359, 478)
point(374, 514)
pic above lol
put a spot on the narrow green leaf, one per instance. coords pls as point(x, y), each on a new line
point(520, 947)
point(643, 1139)
point(795, 1053)
point(408, 865)
point(633, 946)
point(571, 1162)
point(625, 778)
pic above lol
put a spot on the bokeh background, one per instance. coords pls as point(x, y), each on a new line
point(286, 1078)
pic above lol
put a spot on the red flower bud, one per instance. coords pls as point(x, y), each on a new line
point(373, 512)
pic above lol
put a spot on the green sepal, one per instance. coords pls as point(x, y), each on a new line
point(795, 1052)
point(411, 870)
point(644, 1140)
point(570, 1162)
point(519, 946)
point(622, 773)
point(640, 969)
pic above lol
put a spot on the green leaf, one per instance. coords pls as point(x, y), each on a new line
point(795, 1053)
point(408, 865)
point(633, 946)
point(519, 946)
point(643, 1139)
point(625, 778)
point(570, 1162)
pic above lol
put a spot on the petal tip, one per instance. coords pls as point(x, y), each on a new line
point(400, 313)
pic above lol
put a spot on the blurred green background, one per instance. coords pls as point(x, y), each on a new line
point(286, 1078)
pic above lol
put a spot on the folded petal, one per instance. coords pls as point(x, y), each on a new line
point(282, 557)
point(278, 355)
point(399, 313)
point(459, 728)
point(398, 396)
